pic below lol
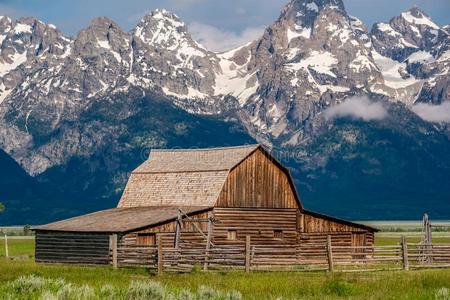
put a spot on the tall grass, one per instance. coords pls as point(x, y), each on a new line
point(35, 287)
point(24, 279)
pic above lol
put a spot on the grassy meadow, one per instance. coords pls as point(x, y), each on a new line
point(21, 278)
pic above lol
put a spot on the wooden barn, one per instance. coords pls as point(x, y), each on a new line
point(198, 198)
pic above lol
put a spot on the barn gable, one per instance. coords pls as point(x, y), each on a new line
point(259, 181)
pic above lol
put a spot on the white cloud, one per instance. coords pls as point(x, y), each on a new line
point(221, 40)
point(433, 113)
point(358, 108)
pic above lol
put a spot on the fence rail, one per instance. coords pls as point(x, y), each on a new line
point(318, 256)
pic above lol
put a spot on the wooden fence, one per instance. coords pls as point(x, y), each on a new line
point(310, 257)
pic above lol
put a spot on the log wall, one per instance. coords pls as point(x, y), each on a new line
point(190, 236)
point(259, 224)
point(311, 223)
point(80, 248)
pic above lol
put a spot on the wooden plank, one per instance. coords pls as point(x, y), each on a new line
point(247, 254)
point(330, 254)
point(405, 253)
point(160, 255)
point(208, 241)
point(114, 250)
point(6, 246)
point(178, 231)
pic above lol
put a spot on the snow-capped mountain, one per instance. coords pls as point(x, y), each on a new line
point(63, 98)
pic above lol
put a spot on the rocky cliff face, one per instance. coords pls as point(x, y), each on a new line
point(63, 98)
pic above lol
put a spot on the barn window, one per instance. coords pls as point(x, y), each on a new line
point(278, 234)
point(146, 239)
point(232, 235)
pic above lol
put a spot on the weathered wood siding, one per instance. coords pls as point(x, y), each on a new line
point(80, 248)
point(257, 182)
point(316, 227)
point(311, 223)
point(190, 236)
point(259, 224)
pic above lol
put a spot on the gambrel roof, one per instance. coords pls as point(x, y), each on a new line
point(188, 177)
point(194, 160)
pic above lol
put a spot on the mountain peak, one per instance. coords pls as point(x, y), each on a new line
point(161, 15)
point(160, 26)
point(418, 17)
point(103, 22)
point(304, 12)
point(417, 12)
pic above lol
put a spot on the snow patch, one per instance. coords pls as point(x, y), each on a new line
point(312, 6)
point(3, 92)
point(22, 28)
point(321, 62)
point(390, 70)
point(191, 94)
point(299, 32)
point(104, 44)
point(17, 58)
point(235, 80)
point(419, 21)
point(387, 29)
point(420, 57)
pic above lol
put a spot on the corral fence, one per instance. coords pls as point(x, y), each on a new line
point(310, 257)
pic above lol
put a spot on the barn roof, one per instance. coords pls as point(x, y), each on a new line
point(118, 220)
point(194, 160)
point(188, 177)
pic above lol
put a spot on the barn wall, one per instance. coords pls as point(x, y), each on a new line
point(80, 248)
point(316, 228)
point(312, 223)
point(257, 182)
point(190, 236)
point(259, 224)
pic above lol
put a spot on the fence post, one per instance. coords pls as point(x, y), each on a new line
point(330, 254)
point(160, 255)
point(247, 254)
point(113, 245)
point(405, 253)
point(6, 246)
point(208, 242)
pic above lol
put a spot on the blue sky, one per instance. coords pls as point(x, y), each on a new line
point(218, 24)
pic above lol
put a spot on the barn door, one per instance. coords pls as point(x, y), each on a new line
point(359, 240)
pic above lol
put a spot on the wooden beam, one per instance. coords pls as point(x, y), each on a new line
point(208, 241)
point(113, 245)
point(405, 253)
point(195, 225)
point(160, 255)
point(178, 231)
point(6, 246)
point(247, 254)
point(330, 254)
point(202, 220)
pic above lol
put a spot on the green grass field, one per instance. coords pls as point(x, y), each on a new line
point(425, 284)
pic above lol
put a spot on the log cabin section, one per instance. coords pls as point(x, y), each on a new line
point(176, 194)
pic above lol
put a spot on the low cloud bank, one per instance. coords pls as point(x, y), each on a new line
point(357, 108)
point(221, 40)
point(433, 113)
